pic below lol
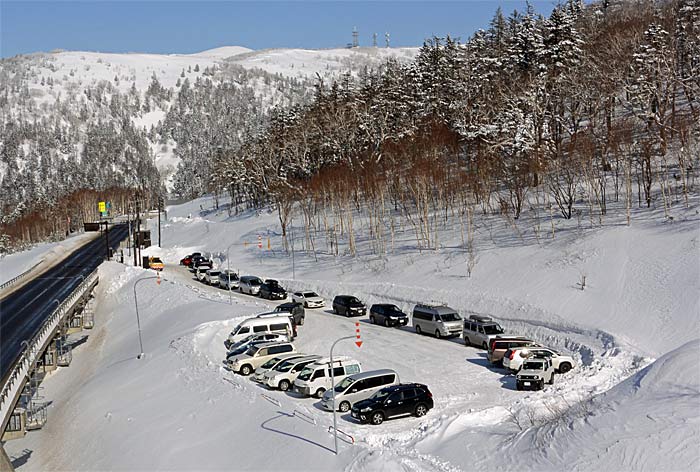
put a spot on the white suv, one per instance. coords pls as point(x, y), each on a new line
point(257, 355)
point(535, 373)
point(515, 357)
point(283, 375)
point(259, 374)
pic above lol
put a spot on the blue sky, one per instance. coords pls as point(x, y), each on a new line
point(193, 26)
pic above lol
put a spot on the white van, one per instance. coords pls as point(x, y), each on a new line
point(250, 284)
point(257, 355)
point(358, 387)
point(273, 324)
point(315, 379)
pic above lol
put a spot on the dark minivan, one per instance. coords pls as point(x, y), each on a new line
point(397, 400)
point(387, 315)
point(296, 309)
point(348, 305)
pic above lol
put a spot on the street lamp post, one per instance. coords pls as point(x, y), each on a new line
point(136, 304)
point(335, 420)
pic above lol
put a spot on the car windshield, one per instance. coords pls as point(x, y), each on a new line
point(493, 329)
point(271, 363)
point(533, 365)
point(239, 349)
point(252, 350)
point(213, 272)
point(394, 310)
point(285, 366)
point(450, 317)
point(354, 300)
point(380, 395)
point(310, 294)
point(157, 259)
point(306, 374)
point(255, 282)
point(245, 340)
point(342, 386)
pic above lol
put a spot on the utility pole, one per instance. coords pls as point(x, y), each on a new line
point(159, 210)
point(128, 246)
point(107, 239)
point(335, 420)
point(136, 210)
point(355, 37)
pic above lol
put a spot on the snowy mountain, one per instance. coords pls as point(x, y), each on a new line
point(133, 106)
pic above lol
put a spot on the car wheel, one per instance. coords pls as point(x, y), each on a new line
point(246, 370)
point(284, 385)
point(541, 385)
point(372, 320)
point(418, 330)
point(386, 323)
point(377, 418)
point(551, 379)
point(320, 392)
point(484, 346)
point(565, 367)
point(306, 305)
point(301, 322)
point(347, 313)
point(517, 386)
point(344, 407)
point(421, 410)
point(437, 334)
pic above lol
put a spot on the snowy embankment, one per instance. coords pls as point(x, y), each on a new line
point(178, 408)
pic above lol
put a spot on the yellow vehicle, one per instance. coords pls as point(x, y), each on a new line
point(155, 263)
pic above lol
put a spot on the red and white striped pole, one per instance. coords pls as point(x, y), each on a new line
point(358, 339)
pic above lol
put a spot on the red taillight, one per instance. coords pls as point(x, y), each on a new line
point(512, 354)
point(430, 395)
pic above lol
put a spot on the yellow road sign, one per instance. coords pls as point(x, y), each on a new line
point(102, 207)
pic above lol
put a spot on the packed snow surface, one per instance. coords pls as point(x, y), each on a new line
point(631, 403)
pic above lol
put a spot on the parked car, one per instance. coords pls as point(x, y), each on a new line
point(357, 387)
point(479, 330)
point(212, 276)
point(387, 315)
point(277, 324)
point(315, 379)
point(272, 290)
point(499, 346)
point(309, 299)
point(259, 374)
point(155, 263)
point(188, 258)
point(274, 314)
point(256, 356)
point(253, 338)
point(284, 374)
point(513, 358)
point(228, 279)
point(201, 273)
point(202, 264)
point(534, 373)
point(296, 309)
point(200, 261)
point(250, 284)
point(440, 320)
point(349, 306)
point(398, 400)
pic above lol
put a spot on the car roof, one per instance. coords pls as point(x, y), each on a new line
point(273, 343)
point(438, 309)
point(372, 373)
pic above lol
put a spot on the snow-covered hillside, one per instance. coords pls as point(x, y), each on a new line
point(73, 79)
point(632, 403)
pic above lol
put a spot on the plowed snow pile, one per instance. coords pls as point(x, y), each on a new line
point(631, 403)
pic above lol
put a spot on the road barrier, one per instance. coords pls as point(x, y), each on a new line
point(304, 416)
point(348, 438)
point(271, 400)
point(34, 348)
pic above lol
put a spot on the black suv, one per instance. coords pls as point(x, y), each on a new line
point(388, 315)
point(397, 400)
point(348, 305)
point(272, 290)
point(296, 309)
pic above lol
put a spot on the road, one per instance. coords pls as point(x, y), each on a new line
point(23, 312)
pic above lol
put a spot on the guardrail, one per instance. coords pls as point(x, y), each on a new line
point(35, 347)
point(20, 276)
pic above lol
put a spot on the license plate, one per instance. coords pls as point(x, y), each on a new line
point(527, 384)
